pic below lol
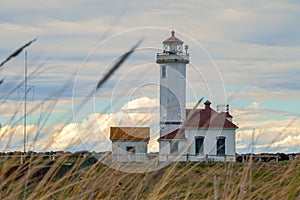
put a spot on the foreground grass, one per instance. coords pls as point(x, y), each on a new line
point(40, 179)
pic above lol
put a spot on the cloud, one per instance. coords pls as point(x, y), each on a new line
point(233, 14)
point(91, 134)
point(16, 108)
point(263, 130)
point(67, 35)
point(11, 137)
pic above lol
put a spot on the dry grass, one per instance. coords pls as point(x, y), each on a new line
point(38, 178)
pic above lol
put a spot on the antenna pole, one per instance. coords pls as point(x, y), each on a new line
point(25, 103)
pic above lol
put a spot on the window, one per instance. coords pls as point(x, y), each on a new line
point(172, 47)
point(174, 147)
point(199, 144)
point(166, 47)
point(179, 48)
point(130, 149)
point(221, 146)
point(163, 71)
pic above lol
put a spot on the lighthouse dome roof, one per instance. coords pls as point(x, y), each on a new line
point(173, 39)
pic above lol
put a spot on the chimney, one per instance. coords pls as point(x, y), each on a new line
point(228, 116)
point(207, 104)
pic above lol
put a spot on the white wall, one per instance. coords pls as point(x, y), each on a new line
point(119, 147)
point(164, 147)
point(119, 153)
point(210, 140)
point(172, 96)
point(209, 151)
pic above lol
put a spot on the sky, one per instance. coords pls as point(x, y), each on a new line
point(242, 53)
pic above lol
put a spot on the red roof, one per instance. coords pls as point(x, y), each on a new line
point(130, 133)
point(176, 134)
point(208, 118)
point(172, 38)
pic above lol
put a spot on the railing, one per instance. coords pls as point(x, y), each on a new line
point(260, 158)
point(198, 158)
point(172, 56)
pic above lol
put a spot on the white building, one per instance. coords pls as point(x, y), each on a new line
point(189, 135)
point(129, 144)
point(207, 135)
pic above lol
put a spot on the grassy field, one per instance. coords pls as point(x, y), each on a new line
point(79, 179)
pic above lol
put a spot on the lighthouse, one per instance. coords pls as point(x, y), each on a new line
point(172, 61)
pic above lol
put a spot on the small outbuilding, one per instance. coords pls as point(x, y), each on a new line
point(129, 144)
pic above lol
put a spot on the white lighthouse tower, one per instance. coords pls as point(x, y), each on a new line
point(172, 63)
